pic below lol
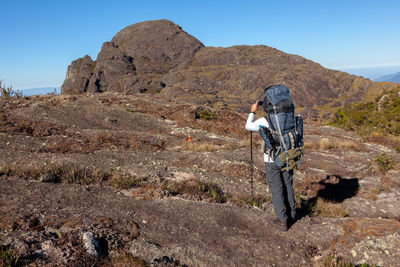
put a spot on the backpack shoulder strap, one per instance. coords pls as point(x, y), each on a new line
point(270, 124)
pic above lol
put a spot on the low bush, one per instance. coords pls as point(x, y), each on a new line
point(205, 114)
point(332, 261)
point(372, 118)
point(197, 188)
point(385, 163)
point(328, 209)
point(122, 181)
point(68, 173)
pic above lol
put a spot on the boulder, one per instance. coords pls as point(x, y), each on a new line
point(78, 75)
point(112, 64)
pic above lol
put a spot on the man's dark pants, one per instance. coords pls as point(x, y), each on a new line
point(281, 185)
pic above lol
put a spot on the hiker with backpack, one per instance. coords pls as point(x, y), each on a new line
point(282, 134)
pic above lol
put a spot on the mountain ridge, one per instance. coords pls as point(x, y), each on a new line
point(159, 57)
point(40, 90)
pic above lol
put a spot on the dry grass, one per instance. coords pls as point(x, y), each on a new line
point(370, 192)
point(257, 142)
point(126, 259)
point(122, 181)
point(331, 144)
point(387, 182)
point(67, 173)
point(328, 209)
point(201, 147)
point(326, 144)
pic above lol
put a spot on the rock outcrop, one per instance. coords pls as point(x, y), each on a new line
point(78, 75)
point(134, 60)
point(158, 56)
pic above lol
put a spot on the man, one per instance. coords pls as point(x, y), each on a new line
point(280, 182)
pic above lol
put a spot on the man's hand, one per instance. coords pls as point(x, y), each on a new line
point(254, 107)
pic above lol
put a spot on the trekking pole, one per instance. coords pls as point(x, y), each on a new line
point(251, 164)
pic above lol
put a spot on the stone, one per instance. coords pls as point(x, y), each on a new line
point(78, 75)
point(48, 178)
point(146, 250)
point(90, 243)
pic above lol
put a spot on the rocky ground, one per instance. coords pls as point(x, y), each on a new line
point(109, 179)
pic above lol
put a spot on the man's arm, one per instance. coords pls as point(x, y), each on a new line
point(252, 125)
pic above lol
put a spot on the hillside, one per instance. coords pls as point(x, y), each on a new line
point(159, 57)
point(120, 167)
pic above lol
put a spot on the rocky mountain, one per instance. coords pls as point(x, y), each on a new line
point(395, 78)
point(159, 57)
point(134, 60)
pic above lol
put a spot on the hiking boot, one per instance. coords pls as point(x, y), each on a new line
point(281, 226)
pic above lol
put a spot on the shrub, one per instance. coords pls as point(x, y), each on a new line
point(205, 114)
point(332, 261)
point(328, 209)
point(197, 188)
point(368, 118)
point(121, 181)
point(385, 163)
point(8, 91)
point(68, 173)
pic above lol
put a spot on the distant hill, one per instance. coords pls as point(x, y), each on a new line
point(40, 91)
point(395, 78)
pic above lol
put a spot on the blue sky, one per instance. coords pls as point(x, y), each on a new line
point(39, 39)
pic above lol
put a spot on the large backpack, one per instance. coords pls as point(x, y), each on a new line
point(284, 137)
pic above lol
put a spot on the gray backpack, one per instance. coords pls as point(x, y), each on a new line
point(284, 137)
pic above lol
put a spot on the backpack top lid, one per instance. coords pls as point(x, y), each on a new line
point(277, 93)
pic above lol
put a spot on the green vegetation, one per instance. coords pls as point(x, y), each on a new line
point(255, 201)
point(212, 191)
point(331, 261)
point(68, 173)
point(205, 114)
point(8, 257)
point(373, 118)
point(93, 65)
point(125, 181)
point(196, 188)
point(385, 163)
point(5, 170)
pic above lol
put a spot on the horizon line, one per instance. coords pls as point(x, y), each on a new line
point(367, 66)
